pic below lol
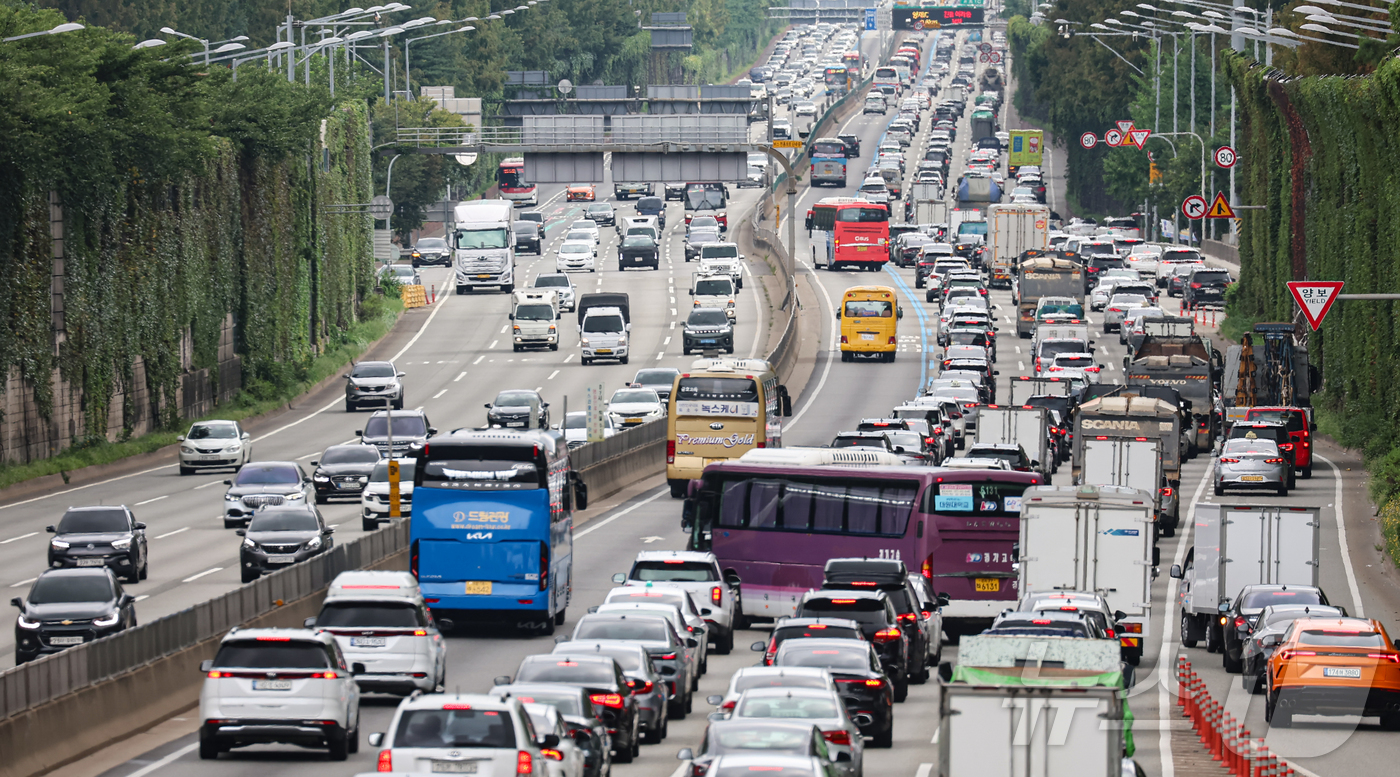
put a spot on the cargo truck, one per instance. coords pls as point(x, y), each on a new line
point(1016, 706)
point(1092, 538)
point(984, 125)
point(1129, 462)
point(1024, 387)
point(1027, 150)
point(1133, 417)
point(977, 191)
point(484, 245)
point(1238, 545)
point(1028, 427)
point(1044, 276)
point(929, 207)
point(1014, 229)
point(1192, 366)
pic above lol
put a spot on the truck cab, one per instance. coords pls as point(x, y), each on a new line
point(483, 245)
point(603, 334)
point(713, 290)
point(534, 319)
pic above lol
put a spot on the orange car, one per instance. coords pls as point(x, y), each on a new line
point(581, 192)
point(1334, 666)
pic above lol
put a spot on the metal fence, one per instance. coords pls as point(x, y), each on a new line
point(723, 129)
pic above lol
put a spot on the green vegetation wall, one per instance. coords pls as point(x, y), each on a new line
point(187, 199)
point(1318, 153)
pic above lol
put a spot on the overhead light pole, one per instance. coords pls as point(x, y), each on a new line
point(62, 28)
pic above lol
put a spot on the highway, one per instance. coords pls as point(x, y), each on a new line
point(457, 362)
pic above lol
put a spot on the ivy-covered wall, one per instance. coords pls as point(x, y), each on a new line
point(1318, 152)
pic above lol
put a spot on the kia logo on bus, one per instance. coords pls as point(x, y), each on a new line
point(716, 426)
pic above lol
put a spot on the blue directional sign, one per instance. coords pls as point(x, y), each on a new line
point(870, 18)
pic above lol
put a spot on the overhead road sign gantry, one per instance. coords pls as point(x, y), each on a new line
point(1315, 298)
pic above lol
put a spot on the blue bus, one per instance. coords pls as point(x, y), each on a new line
point(492, 533)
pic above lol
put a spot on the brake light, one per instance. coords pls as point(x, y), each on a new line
point(1273, 461)
point(524, 763)
point(1042, 622)
point(1091, 369)
point(456, 706)
point(843, 601)
point(908, 616)
point(926, 569)
point(386, 761)
point(544, 566)
point(1229, 461)
point(1290, 654)
point(863, 583)
point(323, 675)
point(844, 341)
point(215, 675)
point(553, 755)
point(1391, 657)
point(888, 635)
point(1195, 285)
point(1168, 491)
point(670, 451)
point(715, 594)
point(668, 657)
point(1131, 628)
point(841, 737)
point(274, 639)
point(1240, 621)
point(613, 700)
point(640, 686)
point(1288, 446)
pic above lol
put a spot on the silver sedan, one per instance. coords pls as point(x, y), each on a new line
point(1251, 463)
point(1118, 307)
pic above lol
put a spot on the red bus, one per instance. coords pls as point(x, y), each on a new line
point(849, 232)
point(510, 180)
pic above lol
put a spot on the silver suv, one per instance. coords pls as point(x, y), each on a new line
point(373, 384)
point(279, 686)
point(463, 734)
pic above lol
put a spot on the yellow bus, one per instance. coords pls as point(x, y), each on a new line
point(721, 408)
point(869, 317)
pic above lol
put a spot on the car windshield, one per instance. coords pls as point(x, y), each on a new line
point(909, 441)
point(674, 571)
point(551, 282)
point(720, 251)
point(527, 228)
point(432, 243)
point(1051, 348)
point(1063, 308)
point(404, 426)
point(872, 441)
point(267, 475)
point(1210, 276)
point(601, 208)
point(650, 203)
point(703, 221)
point(629, 396)
point(575, 248)
point(656, 377)
point(455, 728)
point(638, 241)
point(273, 654)
point(283, 520)
point(213, 432)
point(373, 370)
point(381, 471)
point(1120, 300)
point(585, 225)
point(599, 324)
point(1292, 419)
point(718, 287)
point(1341, 638)
point(560, 669)
point(774, 706)
point(646, 629)
point(65, 589)
point(350, 454)
point(1255, 600)
point(579, 234)
point(112, 519)
point(1077, 361)
point(707, 318)
point(534, 313)
point(389, 615)
point(478, 239)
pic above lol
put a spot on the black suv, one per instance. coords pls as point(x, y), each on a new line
point(1013, 454)
point(891, 577)
point(706, 329)
point(878, 622)
point(100, 537)
point(343, 470)
point(277, 537)
point(638, 251)
point(607, 688)
point(601, 213)
point(1095, 265)
point(527, 236)
point(1205, 287)
point(852, 142)
point(1239, 617)
point(68, 607)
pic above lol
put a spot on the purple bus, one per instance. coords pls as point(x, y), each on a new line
point(773, 527)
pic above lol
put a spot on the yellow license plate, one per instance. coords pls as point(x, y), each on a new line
point(480, 588)
point(991, 584)
point(1252, 478)
point(860, 248)
point(483, 276)
point(604, 350)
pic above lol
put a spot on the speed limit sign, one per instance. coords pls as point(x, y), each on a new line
point(1225, 157)
point(1088, 140)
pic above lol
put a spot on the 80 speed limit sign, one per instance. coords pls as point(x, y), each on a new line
point(1225, 157)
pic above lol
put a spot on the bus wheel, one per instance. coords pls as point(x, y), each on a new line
point(678, 488)
point(560, 616)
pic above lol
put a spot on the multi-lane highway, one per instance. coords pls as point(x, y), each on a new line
point(458, 359)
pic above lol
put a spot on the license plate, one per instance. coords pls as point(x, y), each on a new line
point(1348, 672)
point(604, 350)
point(65, 640)
point(861, 248)
point(990, 584)
point(210, 457)
point(272, 685)
point(281, 559)
point(515, 423)
point(867, 335)
point(454, 767)
point(483, 276)
point(91, 562)
point(1252, 478)
point(347, 485)
point(478, 587)
point(368, 641)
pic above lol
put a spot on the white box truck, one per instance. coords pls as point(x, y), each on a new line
point(1129, 462)
point(484, 245)
point(1238, 545)
point(994, 723)
point(1014, 229)
point(1028, 427)
point(1092, 538)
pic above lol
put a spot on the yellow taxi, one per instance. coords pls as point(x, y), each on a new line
point(1334, 666)
point(580, 192)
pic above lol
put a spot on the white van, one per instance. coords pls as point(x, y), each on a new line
point(379, 619)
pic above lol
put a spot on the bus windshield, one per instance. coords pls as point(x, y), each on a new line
point(722, 389)
point(704, 196)
point(829, 148)
point(480, 466)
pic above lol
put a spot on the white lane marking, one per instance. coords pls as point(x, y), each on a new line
point(673, 325)
point(661, 356)
point(24, 582)
point(17, 539)
point(166, 761)
point(192, 578)
point(503, 329)
point(440, 393)
point(1342, 539)
point(552, 374)
point(826, 369)
point(214, 483)
point(1021, 366)
point(493, 344)
point(436, 308)
point(1018, 349)
point(172, 533)
point(299, 458)
point(479, 358)
point(567, 358)
point(619, 514)
point(461, 375)
point(925, 768)
point(1165, 664)
point(143, 597)
point(152, 499)
point(666, 342)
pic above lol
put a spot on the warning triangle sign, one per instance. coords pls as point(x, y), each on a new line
point(1315, 298)
point(1124, 125)
point(1220, 208)
point(1139, 136)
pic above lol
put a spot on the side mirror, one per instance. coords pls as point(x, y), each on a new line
point(510, 316)
point(54, 529)
point(487, 405)
point(315, 462)
point(1119, 615)
point(242, 532)
point(432, 430)
point(502, 680)
point(309, 623)
point(376, 739)
point(206, 665)
point(17, 602)
point(140, 526)
point(685, 754)
point(1223, 607)
point(714, 700)
point(550, 740)
point(357, 668)
point(400, 374)
point(330, 530)
point(181, 438)
point(943, 599)
point(230, 482)
point(619, 578)
point(1312, 427)
point(358, 433)
point(758, 647)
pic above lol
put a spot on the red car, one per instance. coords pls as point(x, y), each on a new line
point(1298, 421)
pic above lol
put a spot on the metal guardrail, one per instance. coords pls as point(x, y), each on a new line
point(27, 686)
point(571, 136)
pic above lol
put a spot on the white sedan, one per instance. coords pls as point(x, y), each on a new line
point(575, 255)
point(633, 406)
point(585, 225)
point(805, 108)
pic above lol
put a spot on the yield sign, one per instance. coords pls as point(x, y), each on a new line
point(1138, 136)
point(1315, 298)
point(1194, 207)
point(1124, 125)
point(1220, 208)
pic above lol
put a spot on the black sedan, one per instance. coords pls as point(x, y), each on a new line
point(343, 470)
point(1240, 616)
point(281, 536)
point(607, 689)
point(431, 250)
point(512, 409)
point(100, 537)
point(68, 607)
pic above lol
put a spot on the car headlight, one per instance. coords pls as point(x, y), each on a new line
point(25, 623)
point(110, 620)
point(622, 341)
point(250, 545)
point(186, 449)
point(313, 543)
point(584, 340)
point(296, 496)
point(320, 478)
point(122, 544)
point(230, 498)
point(234, 448)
